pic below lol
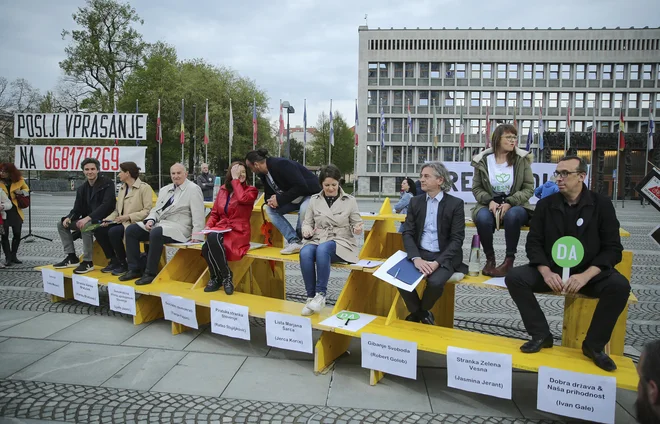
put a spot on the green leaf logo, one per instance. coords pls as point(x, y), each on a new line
point(502, 178)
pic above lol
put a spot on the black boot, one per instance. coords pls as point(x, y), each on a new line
point(212, 285)
point(228, 285)
point(15, 242)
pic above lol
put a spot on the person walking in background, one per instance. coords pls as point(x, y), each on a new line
point(503, 183)
point(5, 205)
point(231, 211)
point(408, 190)
point(206, 181)
point(133, 205)
point(331, 223)
point(14, 186)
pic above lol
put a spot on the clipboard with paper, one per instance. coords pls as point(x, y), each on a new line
point(397, 263)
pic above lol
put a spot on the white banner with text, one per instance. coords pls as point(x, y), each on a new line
point(98, 126)
point(69, 158)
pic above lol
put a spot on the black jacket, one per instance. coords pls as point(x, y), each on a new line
point(206, 182)
point(99, 205)
point(451, 230)
point(292, 178)
point(599, 232)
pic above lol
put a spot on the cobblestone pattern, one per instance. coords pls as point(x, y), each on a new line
point(83, 404)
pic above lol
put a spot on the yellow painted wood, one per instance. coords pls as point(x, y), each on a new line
point(203, 317)
point(187, 265)
point(578, 313)
point(470, 223)
point(398, 311)
point(68, 292)
point(329, 347)
point(147, 309)
point(375, 377)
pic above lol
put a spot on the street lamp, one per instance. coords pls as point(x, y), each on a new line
point(289, 109)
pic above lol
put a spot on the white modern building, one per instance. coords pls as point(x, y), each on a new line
point(500, 72)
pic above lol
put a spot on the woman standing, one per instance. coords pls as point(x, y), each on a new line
point(408, 191)
point(13, 185)
point(331, 221)
point(134, 203)
point(231, 211)
point(503, 184)
point(5, 205)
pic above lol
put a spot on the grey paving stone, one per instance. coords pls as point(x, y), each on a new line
point(458, 402)
point(9, 318)
point(146, 370)
point(216, 343)
point(200, 374)
point(99, 329)
point(80, 363)
point(42, 326)
point(351, 389)
point(626, 399)
point(35, 347)
point(275, 380)
point(14, 362)
point(158, 335)
point(14, 420)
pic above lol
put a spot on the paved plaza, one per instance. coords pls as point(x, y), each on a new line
point(72, 362)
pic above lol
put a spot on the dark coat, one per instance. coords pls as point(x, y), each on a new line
point(101, 203)
point(237, 241)
point(599, 232)
point(292, 178)
point(451, 230)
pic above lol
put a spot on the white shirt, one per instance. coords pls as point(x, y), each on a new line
point(429, 240)
point(500, 175)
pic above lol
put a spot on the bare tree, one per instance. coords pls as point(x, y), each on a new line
point(17, 96)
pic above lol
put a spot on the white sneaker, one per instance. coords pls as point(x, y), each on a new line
point(306, 311)
point(318, 303)
point(291, 249)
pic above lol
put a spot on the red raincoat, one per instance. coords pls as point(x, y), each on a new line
point(239, 211)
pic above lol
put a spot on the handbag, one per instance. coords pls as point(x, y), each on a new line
point(22, 201)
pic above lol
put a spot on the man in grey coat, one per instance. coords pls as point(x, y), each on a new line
point(206, 181)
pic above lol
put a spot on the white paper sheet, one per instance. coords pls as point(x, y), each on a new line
point(389, 263)
point(368, 264)
point(496, 281)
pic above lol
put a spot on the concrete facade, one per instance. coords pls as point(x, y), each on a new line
point(597, 73)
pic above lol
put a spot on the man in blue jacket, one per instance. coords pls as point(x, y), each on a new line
point(287, 187)
point(95, 199)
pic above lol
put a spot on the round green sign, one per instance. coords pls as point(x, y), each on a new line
point(567, 252)
point(348, 316)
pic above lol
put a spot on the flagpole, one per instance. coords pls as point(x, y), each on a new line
point(206, 141)
point(305, 132)
point(182, 131)
point(355, 147)
point(330, 138)
point(231, 129)
point(160, 141)
point(137, 110)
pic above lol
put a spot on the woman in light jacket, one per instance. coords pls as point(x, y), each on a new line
point(5, 205)
point(331, 221)
point(503, 183)
point(133, 205)
point(408, 190)
point(12, 184)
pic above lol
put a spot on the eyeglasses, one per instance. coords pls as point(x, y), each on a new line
point(564, 174)
point(510, 137)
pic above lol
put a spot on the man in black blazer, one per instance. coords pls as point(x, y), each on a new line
point(433, 235)
point(287, 187)
point(588, 216)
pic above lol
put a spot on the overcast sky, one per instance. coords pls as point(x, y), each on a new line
point(293, 49)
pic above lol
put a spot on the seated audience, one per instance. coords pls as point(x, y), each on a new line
point(408, 190)
point(647, 406)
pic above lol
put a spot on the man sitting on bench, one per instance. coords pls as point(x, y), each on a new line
point(433, 235)
point(178, 214)
point(588, 216)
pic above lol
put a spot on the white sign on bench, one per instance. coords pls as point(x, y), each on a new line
point(391, 356)
point(487, 373)
point(86, 289)
point(289, 332)
point(122, 298)
point(179, 310)
point(53, 282)
point(230, 320)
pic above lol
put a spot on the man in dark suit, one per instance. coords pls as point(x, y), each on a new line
point(287, 187)
point(433, 235)
point(588, 216)
point(647, 406)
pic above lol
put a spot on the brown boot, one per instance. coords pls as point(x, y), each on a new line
point(502, 270)
point(490, 265)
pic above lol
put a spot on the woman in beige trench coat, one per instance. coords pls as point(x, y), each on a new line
point(331, 223)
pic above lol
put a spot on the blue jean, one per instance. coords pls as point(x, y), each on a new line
point(278, 218)
point(316, 278)
point(514, 219)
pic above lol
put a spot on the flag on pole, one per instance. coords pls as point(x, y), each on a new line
point(115, 112)
point(622, 130)
point(593, 134)
point(541, 129)
point(382, 128)
point(332, 127)
point(357, 123)
point(137, 110)
point(515, 120)
point(183, 128)
point(567, 134)
point(206, 123)
point(281, 132)
point(231, 124)
point(409, 124)
point(462, 140)
point(305, 124)
point(254, 124)
point(159, 128)
point(487, 128)
point(530, 136)
point(435, 127)
point(649, 146)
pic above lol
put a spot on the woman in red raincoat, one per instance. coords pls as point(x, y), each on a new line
point(232, 210)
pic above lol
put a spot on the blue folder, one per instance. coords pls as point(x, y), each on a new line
point(405, 271)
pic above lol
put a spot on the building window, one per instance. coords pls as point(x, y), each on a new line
point(374, 182)
point(646, 73)
point(553, 99)
point(474, 126)
point(605, 100)
point(421, 154)
point(501, 70)
point(540, 71)
point(487, 70)
point(501, 99)
point(383, 70)
point(474, 98)
point(410, 70)
point(371, 97)
point(618, 100)
point(460, 98)
point(538, 99)
point(593, 72)
point(398, 70)
point(396, 158)
point(513, 70)
point(527, 99)
point(646, 100)
point(565, 72)
point(634, 72)
point(632, 100)
point(423, 126)
point(410, 97)
point(620, 72)
point(554, 71)
point(657, 101)
point(398, 98)
point(449, 98)
point(604, 126)
point(513, 99)
point(460, 70)
point(424, 98)
point(423, 70)
point(565, 100)
point(485, 98)
point(397, 126)
point(435, 98)
point(371, 125)
point(475, 70)
point(383, 97)
point(450, 72)
point(579, 72)
point(527, 71)
point(579, 126)
point(373, 69)
point(579, 100)
point(591, 99)
point(607, 72)
point(435, 70)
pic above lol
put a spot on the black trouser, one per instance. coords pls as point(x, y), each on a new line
point(612, 291)
point(134, 235)
point(111, 240)
point(15, 241)
point(435, 285)
point(214, 253)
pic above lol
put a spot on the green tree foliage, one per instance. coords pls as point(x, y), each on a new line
point(342, 152)
point(104, 51)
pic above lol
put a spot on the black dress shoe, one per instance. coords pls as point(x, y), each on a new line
point(130, 275)
point(426, 317)
point(228, 285)
point(16, 261)
point(111, 265)
point(601, 359)
point(146, 279)
point(212, 285)
point(120, 268)
point(536, 345)
point(414, 317)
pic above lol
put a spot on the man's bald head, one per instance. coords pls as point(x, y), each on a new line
point(178, 173)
